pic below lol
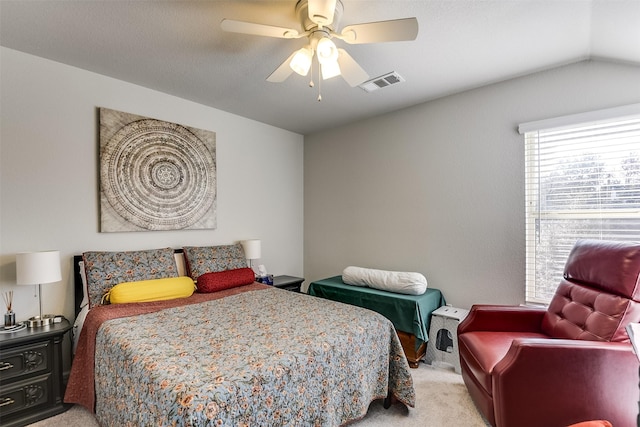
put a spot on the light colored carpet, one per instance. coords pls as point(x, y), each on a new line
point(441, 400)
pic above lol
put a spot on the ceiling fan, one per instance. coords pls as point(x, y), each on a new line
point(320, 20)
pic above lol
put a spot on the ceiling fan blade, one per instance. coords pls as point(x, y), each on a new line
point(258, 29)
point(282, 72)
point(383, 31)
point(351, 72)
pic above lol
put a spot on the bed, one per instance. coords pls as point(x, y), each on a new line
point(410, 314)
point(249, 354)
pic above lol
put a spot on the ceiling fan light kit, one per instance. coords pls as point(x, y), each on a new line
point(301, 61)
point(326, 51)
point(319, 19)
point(329, 70)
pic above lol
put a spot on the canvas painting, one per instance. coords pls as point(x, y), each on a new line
point(155, 175)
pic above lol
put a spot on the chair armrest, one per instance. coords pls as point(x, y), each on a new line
point(502, 318)
point(540, 380)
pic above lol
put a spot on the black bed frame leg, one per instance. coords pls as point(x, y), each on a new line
point(389, 400)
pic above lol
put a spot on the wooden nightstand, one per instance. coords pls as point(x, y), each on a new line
point(290, 283)
point(31, 385)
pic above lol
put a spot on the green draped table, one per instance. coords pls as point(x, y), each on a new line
point(410, 314)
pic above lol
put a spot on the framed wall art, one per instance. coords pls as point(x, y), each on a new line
point(155, 175)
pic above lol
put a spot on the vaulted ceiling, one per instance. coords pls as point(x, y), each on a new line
point(178, 47)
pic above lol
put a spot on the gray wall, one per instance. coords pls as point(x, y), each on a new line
point(439, 188)
point(49, 175)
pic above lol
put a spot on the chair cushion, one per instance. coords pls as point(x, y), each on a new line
point(613, 267)
point(482, 350)
point(599, 294)
point(583, 313)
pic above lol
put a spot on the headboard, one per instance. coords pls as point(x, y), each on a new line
point(77, 283)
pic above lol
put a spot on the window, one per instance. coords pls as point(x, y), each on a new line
point(582, 181)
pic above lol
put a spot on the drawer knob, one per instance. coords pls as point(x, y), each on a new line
point(7, 401)
point(5, 365)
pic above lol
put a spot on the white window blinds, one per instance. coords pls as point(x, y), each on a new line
point(582, 181)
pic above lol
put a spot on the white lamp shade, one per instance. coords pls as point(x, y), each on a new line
point(301, 61)
point(34, 268)
point(326, 51)
point(252, 249)
point(330, 69)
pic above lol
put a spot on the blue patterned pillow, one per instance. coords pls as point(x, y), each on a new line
point(212, 259)
point(107, 269)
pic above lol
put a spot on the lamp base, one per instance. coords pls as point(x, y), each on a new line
point(38, 321)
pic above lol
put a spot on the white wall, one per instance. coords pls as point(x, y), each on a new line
point(49, 175)
point(439, 188)
point(436, 188)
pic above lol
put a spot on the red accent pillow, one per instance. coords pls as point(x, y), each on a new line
point(220, 280)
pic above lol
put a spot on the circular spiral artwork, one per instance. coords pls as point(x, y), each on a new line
point(158, 175)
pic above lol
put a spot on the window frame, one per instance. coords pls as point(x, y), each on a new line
point(535, 212)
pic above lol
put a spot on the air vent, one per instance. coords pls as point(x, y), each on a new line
point(383, 81)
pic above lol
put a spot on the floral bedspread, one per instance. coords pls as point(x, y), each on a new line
point(259, 358)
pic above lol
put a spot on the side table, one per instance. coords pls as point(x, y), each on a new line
point(31, 385)
point(289, 283)
point(443, 336)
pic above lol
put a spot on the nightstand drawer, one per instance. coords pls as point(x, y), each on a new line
point(24, 360)
point(24, 395)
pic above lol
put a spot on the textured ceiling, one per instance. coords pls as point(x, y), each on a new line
point(177, 47)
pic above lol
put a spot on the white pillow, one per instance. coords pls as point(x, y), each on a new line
point(392, 281)
point(85, 291)
point(77, 327)
point(182, 268)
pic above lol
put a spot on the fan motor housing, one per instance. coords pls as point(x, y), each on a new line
point(302, 11)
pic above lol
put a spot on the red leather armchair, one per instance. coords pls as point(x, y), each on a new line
point(568, 363)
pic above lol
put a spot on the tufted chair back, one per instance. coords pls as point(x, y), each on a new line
point(599, 294)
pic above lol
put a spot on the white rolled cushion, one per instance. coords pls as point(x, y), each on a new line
point(392, 281)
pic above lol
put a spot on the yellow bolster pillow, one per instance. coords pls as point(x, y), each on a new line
point(151, 290)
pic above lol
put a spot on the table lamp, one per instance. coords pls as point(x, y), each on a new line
point(36, 268)
point(252, 250)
